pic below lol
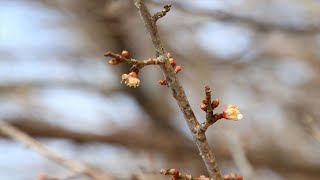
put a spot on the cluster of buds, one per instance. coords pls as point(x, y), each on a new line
point(231, 112)
point(232, 176)
point(131, 79)
point(176, 68)
point(214, 104)
point(116, 61)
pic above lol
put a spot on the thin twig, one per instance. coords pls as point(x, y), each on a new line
point(177, 175)
point(75, 166)
point(163, 12)
point(209, 113)
point(133, 61)
point(179, 93)
point(210, 117)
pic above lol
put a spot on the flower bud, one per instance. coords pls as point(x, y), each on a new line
point(125, 54)
point(172, 62)
point(177, 69)
point(205, 101)
point(163, 82)
point(215, 103)
point(130, 79)
point(133, 74)
point(203, 107)
point(114, 61)
point(232, 112)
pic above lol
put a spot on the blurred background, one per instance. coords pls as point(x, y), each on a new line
point(56, 86)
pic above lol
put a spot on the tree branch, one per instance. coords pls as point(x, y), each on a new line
point(75, 166)
point(179, 94)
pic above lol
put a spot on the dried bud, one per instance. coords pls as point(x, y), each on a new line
point(125, 54)
point(232, 112)
point(114, 61)
point(203, 107)
point(205, 101)
point(130, 79)
point(177, 69)
point(172, 62)
point(215, 103)
point(163, 82)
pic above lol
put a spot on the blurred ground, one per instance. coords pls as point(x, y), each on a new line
point(261, 55)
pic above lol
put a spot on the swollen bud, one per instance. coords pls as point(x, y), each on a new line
point(203, 107)
point(125, 53)
point(177, 69)
point(163, 82)
point(114, 61)
point(215, 103)
point(172, 62)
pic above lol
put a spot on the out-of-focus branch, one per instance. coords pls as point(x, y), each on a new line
point(310, 123)
point(75, 166)
point(158, 141)
point(239, 156)
point(178, 93)
point(249, 21)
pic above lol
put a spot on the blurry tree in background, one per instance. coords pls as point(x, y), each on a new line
point(56, 86)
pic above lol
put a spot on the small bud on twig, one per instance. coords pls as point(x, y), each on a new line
point(114, 61)
point(205, 101)
point(163, 82)
point(203, 107)
point(232, 176)
point(125, 53)
point(215, 103)
point(172, 62)
point(177, 69)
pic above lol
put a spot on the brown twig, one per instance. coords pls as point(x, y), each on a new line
point(75, 166)
point(209, 107)
point(179, 93)
point(163, 12)
point(209, 113)
point(177, 175)
point(133, 61)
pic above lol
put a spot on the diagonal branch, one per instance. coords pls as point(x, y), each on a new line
point(75, 166)
point(179, 93)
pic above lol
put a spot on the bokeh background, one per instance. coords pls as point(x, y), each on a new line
point(262, 55)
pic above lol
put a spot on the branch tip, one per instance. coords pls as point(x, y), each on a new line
point(162, 13)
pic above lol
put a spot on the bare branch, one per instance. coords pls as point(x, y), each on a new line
point(179, 93)
point(133, 61)
point(75, 166)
